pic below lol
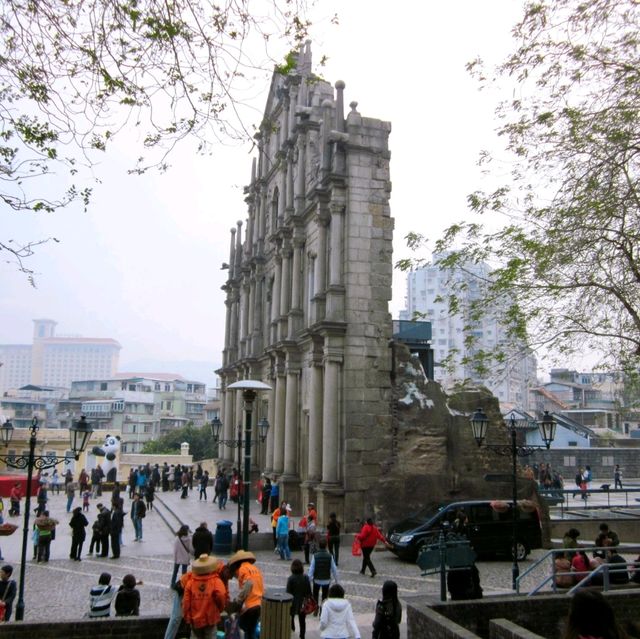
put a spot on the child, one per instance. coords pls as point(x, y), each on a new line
point(336, 619)
point(86, 496)
point(386, 624)
point(128, 598)
point(96, 538)
point(101, 597)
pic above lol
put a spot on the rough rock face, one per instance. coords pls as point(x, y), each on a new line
point(433, 457)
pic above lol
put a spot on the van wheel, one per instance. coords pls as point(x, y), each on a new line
point(521, 551)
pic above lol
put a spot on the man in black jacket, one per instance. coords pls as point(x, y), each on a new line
point(322, 569)
point(104, 527)
point(138, 513)
point(117, 524)
point(202, 540)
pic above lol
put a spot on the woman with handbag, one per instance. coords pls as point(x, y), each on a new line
point(182, 552)
point(298, 585)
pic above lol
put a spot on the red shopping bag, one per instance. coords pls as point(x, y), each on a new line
point(356, 549)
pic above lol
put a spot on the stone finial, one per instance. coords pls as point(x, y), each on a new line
point(354, 117)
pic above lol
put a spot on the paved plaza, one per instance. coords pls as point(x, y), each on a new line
point(59, 589)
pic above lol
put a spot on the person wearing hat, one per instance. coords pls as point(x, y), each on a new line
point(8, 590)
point(251, 585)
point(205, 596)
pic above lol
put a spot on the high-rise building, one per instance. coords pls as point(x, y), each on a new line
point(56, 361)
point(428, 289)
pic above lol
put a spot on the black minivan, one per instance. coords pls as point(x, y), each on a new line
point(489, 530)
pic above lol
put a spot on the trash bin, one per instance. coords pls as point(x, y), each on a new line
point(275, 618)
point(223, 538)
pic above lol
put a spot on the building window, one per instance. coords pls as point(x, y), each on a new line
point(103, 386)
point(607, 460)
point(569, 461)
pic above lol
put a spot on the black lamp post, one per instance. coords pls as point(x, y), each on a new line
point(79, 434)
point(547, 426)
point(249, 390)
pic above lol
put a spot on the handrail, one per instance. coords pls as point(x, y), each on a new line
point(576, 490)
point(610, 568)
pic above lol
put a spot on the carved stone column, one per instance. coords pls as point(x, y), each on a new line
point(268, 464)
point(278, 440)
point(315, 423)
point(331, 419)
point(285, 287)
point(291, 424)
point(227, 428)
point(337, 232)
point(275, 299)
point(321, 262)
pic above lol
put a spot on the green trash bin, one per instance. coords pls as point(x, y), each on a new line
point(223, 538)
point(275, 617)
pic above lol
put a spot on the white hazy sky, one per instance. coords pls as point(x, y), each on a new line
point(143, 264)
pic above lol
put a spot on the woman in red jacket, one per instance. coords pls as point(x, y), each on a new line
point(368, 538)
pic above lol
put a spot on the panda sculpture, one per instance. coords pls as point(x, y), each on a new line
point(109, 450)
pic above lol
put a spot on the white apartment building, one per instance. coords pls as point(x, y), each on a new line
point(56, 361)
point(137, 406)
point(427, 293)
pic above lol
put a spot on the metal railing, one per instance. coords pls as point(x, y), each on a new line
point(563, 496)
point(605, 570)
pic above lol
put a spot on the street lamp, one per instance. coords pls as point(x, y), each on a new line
point(249, 390)
point(547, 427)
point(79, 434)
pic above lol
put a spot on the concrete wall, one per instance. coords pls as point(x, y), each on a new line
point(627, 457)
point(521, 617)
point(129, 627)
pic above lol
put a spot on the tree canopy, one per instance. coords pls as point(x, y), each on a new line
point(565, 275)
point(200, 442)
point(76, 73)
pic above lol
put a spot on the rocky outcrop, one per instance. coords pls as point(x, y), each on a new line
point(432, 456)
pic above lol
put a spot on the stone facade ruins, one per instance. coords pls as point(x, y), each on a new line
point(307, 296)
point(354, 424)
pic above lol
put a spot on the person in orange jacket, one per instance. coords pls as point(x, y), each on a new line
point(251, 585)
point(368, 538)
point(205, 595)
point(274, 520)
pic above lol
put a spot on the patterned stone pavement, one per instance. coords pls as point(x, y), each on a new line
point(59, 589)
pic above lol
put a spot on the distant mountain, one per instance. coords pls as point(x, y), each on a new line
point(190, 369)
